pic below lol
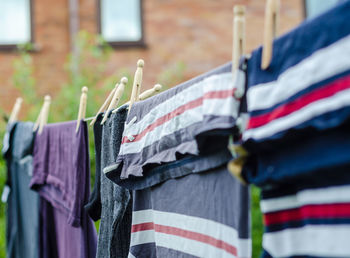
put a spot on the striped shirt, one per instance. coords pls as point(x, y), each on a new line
point(307, 84)
point(177, 122)
point(199, 215)
point(308, 217)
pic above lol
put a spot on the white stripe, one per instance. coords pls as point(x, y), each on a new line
point(334, 194)
point(313, 240)
point(182, 121)
point(189, 246)
point(221, 107)
point(321, 65)
point(143, 216)
point(186, 119)
point(131, 255)
point(310, 111)
point(213, 83)
point(212, 107)
point(195, 224)
point(142, 237)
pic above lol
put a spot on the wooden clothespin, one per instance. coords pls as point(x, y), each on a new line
point(272, 12)
point(151, 92)
point(37, 122)
point(146, 94)
point(82, 106)
point(238, 35)
point(116, 98)
point(15, 110)
point(104, 105)
point(44, 114)
point(235, 166)
point(136, 88)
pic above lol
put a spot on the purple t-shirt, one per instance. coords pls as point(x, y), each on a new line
point(61, 175)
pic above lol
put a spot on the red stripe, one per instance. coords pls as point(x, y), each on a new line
point(222, 94)
point(197, 236)
point(180, 110)
point(288, 108)
point(142, 227)
point(186, 234)
point(323, 211)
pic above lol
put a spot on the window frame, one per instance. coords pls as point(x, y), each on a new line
point(305, 9)
point(12, 47)
point(123, 44)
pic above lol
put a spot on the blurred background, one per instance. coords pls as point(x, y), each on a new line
point(56, 47)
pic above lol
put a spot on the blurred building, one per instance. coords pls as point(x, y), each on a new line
point(162, 32)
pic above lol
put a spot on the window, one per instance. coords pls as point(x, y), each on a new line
point(121, 22)
point(316, 7)
point(15, 22)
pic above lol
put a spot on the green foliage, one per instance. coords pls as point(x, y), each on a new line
point(87, 67)
point(23, 78)
point(172, 75)
point(257, 223)
point(84, 68)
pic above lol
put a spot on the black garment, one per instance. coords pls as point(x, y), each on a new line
point(108, 201)
point(93, 207)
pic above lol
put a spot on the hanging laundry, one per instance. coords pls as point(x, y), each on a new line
point(202, 214)
point(115, 201)
point(308, 217)
point(299, 107)
point(61, 175)
point(297, 138)
point(174, 155)
point(199, 215)
point(94, 206)
point(22, 231)
point(306, 87)
point(177, 122)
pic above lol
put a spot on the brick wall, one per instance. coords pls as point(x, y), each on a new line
point(197, 33)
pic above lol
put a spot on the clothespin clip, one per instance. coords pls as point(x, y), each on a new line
point(151, 92)
point(235, 166)
point(146, 94)
point(104, 105)
point(44, 114)
point(136, 88)
point(37, 122)
point(15, 110)
point(272, 13)
point(116, 98)
point(238, 35)
point(82, 106)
